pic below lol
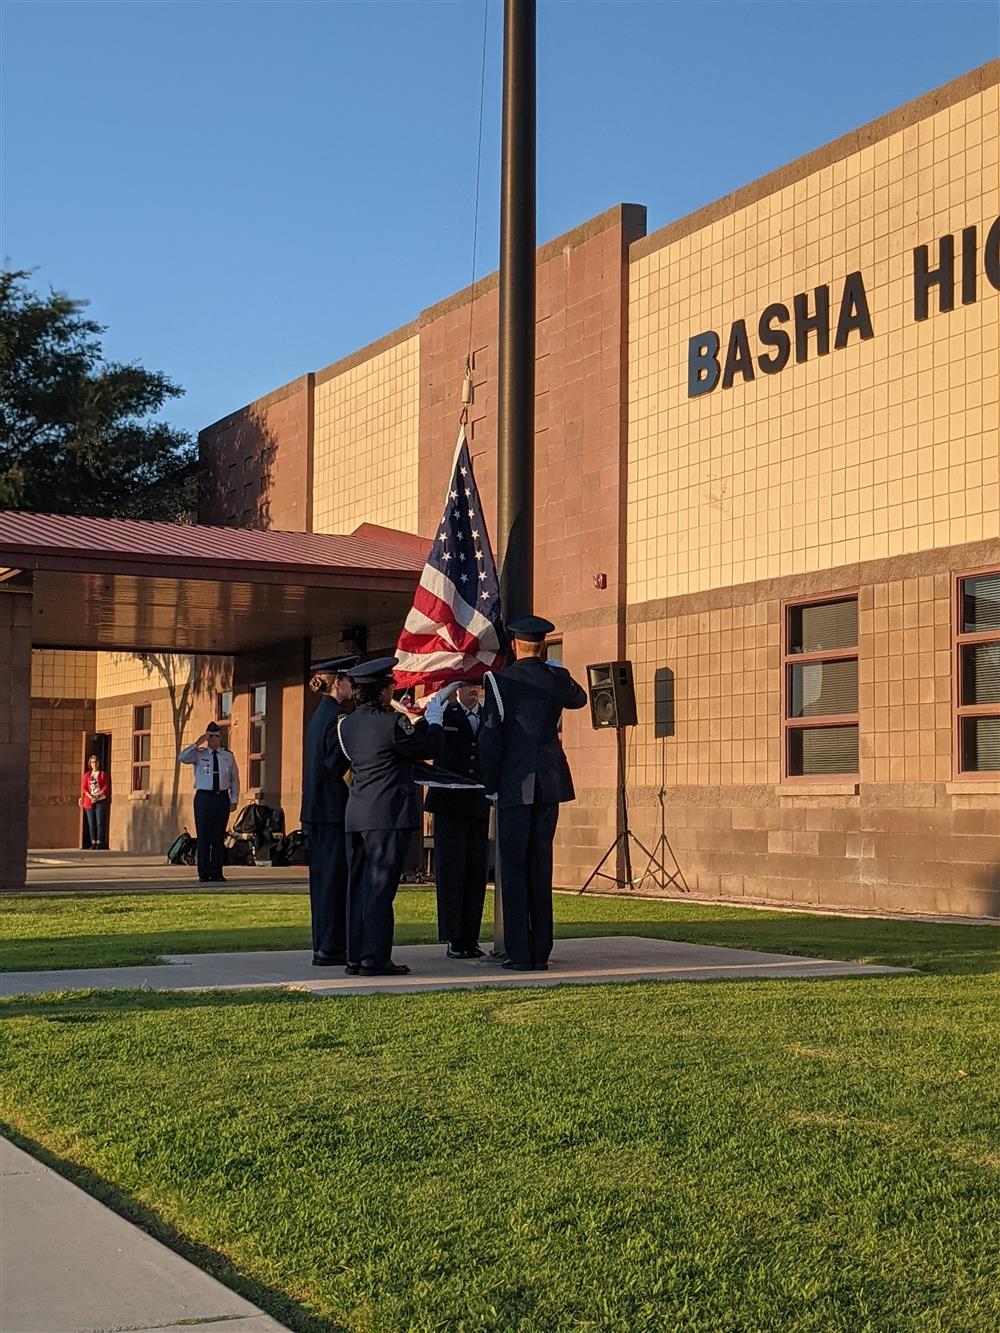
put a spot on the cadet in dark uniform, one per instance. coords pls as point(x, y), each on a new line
point(461, 831)
point(324, 800)
point(383, 808)
point(521, 760)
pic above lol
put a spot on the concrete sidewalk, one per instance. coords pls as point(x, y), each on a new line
point(612, 958)
point(70, 1265)
point(51, 871)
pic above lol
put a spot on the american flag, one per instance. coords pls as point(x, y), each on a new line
point(455, 628)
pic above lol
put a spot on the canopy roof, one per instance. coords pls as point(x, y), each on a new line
point(172, 587)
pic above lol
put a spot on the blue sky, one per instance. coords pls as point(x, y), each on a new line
point(248, 191)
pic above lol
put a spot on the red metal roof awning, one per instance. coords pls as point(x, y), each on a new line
point(127, 585)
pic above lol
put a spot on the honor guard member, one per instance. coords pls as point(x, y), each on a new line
point(383, 808)
point(461, 830)
point(324, 800)
point(521, 760)
point(216, 792)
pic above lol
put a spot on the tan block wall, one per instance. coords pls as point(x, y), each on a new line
point(886, 447)
point(181, 691)
point(366, 436)
point(906, 837)
point(63, 687)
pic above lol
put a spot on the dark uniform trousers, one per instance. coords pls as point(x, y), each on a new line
point(522, 760)
point(461, 864)
point(328, 876)
point(381, 817)
point(524, 841)
point(211, 815)
point(377, 858)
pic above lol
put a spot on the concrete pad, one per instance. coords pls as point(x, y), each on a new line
point(594, 960)
point(71, 1265)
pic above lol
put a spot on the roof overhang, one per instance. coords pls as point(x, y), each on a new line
point(119, 585)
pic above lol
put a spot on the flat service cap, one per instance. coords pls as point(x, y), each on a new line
point(333, 666)
point(369, 671)
point(530, 629)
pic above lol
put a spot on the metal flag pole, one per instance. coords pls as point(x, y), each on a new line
point(516, 359)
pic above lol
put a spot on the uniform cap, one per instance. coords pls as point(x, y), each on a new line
point(369, 671)
point(333, 666)
point(530, 629)
point(213, 729)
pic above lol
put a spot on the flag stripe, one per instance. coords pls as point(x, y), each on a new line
point(454, 628)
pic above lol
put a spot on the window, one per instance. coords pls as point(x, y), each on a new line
point(223, 713)
point(821, 689)
point(142, 725)
point(977, 667)
point(258, 738)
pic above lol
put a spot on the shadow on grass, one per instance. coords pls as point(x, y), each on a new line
point(276, 1302)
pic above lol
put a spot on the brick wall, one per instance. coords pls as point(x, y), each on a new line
point(256, 463)
point(580, 420)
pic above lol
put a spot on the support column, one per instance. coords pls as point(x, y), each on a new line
point(15, 734)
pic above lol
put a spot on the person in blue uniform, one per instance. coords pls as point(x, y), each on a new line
point(383, 808)
point(521, 760)
point(324, 800)
point(461, 830)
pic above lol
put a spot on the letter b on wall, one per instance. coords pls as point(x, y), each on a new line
point(703, 363)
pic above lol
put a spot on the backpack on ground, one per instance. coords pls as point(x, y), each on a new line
point(183, 850)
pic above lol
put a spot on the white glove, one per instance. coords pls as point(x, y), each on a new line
point(434, 711)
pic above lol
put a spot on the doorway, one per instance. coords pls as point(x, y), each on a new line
point(99, 743)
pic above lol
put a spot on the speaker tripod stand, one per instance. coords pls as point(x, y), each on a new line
point(655, 870)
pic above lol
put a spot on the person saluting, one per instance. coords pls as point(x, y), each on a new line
point(216, 792)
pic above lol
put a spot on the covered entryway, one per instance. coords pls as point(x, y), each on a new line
point(262, 599)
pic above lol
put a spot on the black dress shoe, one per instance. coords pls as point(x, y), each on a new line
point(475, 951)
point(329, 959)
point(540, 967)
point(352, 969)
point(383, 969)
point(511, 966)
point(461, 953)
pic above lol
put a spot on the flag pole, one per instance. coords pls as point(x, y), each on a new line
point(516, 360)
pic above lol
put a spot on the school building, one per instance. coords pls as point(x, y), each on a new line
point(767, 446)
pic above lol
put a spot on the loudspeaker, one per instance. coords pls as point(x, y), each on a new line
point(612, 695)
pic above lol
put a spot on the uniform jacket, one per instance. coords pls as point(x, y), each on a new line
point(102, 782)
point(380, 745)
point(460, 754)
point(324, 791)
point(520, 756)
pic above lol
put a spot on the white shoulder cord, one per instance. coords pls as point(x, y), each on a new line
point(340, 736)
point(496, 693)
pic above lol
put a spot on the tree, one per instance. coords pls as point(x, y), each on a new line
point(75, 431)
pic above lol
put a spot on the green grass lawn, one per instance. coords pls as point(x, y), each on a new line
point(63, 930)
point(745, 1157)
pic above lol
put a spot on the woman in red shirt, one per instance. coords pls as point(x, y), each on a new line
point(94, 788)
